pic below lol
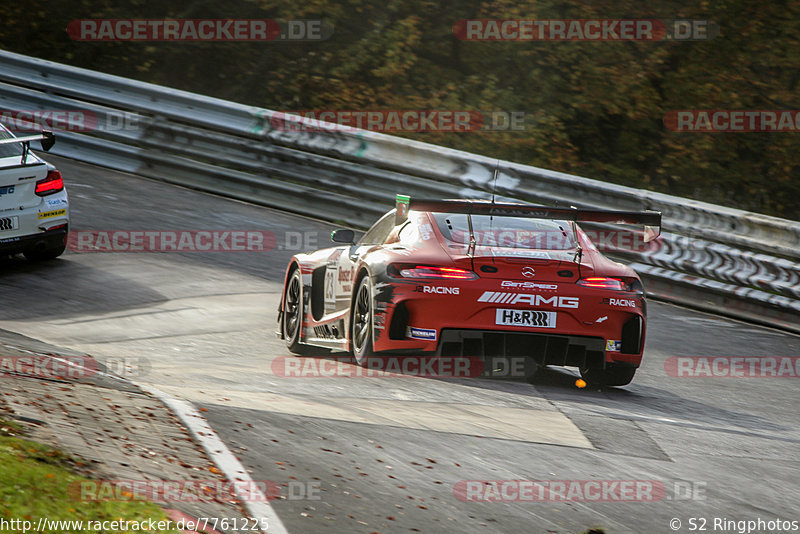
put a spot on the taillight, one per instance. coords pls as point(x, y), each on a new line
point(53, 183)
point(426, 271)
point(599, 282)
point(623, 283)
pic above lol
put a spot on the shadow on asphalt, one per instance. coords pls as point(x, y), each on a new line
point(631, 402)
point(65, 288)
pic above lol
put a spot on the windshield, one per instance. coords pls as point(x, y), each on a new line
point(507, 232)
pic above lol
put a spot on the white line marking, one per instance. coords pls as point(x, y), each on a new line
point(253, 500)
point(224, 458)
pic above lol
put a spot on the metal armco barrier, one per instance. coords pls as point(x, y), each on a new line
point(720, 259)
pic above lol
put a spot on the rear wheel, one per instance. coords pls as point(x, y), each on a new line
point(612, 375)
point(293, 312)
point(42, 253)
point(361, 323)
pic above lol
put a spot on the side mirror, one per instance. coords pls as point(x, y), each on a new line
point(343, 236)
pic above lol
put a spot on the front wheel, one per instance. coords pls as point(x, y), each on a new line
point(612, 375)
point(293, 312)
point(361, 323)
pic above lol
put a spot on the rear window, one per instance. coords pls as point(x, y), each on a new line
point(11, 149)
point(507, 232)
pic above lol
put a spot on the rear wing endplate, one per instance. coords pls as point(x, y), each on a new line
point(651, 220)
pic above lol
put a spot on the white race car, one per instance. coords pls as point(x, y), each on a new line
point(34, 209)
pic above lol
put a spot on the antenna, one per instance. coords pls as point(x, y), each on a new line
point(494, 180)
point(494, 185)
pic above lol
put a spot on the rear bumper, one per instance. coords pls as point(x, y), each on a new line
point(48, 238)
point(591, 328)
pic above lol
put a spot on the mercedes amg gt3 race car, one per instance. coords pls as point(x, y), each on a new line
point(452, 278)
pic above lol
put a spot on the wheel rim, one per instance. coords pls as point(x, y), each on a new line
point(361, 318)
point(291, 321)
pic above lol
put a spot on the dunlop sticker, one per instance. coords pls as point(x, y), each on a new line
point(48, 214)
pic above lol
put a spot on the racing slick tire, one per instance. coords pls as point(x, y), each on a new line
point(361, 323)
point(292, 321)
point(612, 375)
point(43, 253)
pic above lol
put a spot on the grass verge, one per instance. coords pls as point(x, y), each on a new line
point(35, 481)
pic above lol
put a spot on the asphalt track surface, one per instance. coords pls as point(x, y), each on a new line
point(385, 454)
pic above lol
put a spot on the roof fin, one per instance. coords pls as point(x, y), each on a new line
point(401, 207)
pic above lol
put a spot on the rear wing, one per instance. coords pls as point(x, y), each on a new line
point(650, 220)
point(47, 138)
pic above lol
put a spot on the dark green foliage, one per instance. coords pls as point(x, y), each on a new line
point(593, 108)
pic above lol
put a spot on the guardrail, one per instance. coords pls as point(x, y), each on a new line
point(724, 260)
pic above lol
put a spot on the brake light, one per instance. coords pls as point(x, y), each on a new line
point(53, 183)
point(599, 282)
point(426, 271)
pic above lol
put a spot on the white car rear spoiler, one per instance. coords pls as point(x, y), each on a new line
point(47, 138)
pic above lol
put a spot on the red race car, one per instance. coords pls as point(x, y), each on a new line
point(452, 278)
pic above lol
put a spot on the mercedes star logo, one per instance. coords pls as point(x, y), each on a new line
point(528, 272)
